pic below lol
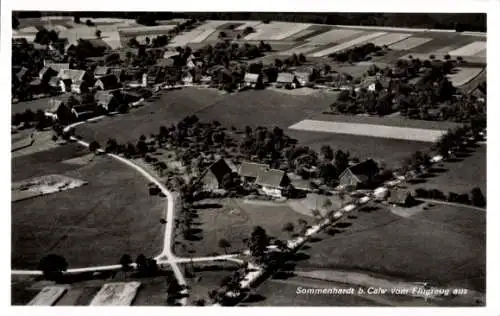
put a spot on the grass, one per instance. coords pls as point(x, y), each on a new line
point(222, 221)
point(310, 32)
point(379, 242)
point(92, 225)
point(284, 293)
point(460, 176)
point(33, 105)
point(169, 108)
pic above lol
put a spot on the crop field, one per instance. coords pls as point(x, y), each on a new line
point(469, 49)
point(276, 30)
point(83, 31)
point(33, 105)
point(246, 24)
point(90, 225)
point(116, 294)
point(150, 30)
point(302, 49)
point(78, 296)
point(404, 133)
point(464, 75)
point(311, 31)
point(367, 243)
point(196, 35)
point(233, 220)
point(171, 107)
point(345, 45)
point(334, 36)
point(410, 43)
point(48, 296)
point(460, 176)
point(390, 38)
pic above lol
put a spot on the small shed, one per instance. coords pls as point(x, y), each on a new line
point(402, 198)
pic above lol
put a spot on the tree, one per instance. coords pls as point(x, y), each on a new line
point(141, 262)
point(111, 145)
point(125, 262)
point(53, 267)
point(94, 146)
point(258, 242)
point(478, 198)
point(341, 160)
point(224, 244)
point(289, 228)
point(327, 152)
point(173, 289)
point(303, 225)
point(98, 34)
point(89, 23)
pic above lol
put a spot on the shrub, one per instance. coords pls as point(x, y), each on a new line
point(452, 197)
point(463, 198)
point(422, 193)
point(436, 194)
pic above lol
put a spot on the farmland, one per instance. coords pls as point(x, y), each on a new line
point(367, 243)
point(276, 31)
point(464, 75)
point(233, 220)
point(90, 225)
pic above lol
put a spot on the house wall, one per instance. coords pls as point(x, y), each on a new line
point(271, 191)
point(210, 182)
point(348, 179)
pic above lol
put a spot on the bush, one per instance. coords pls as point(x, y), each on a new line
point(463, 198)
point(437, 195)
point(477, 198)
point(422, 193)
point(452, 197)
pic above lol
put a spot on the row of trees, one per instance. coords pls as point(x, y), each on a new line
point(358, 53)
point(476, 196)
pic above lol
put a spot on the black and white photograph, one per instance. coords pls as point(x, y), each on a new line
point(260, 159)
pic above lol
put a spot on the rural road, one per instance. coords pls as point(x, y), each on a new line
point(472, 207)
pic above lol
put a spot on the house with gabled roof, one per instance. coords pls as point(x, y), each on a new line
point(107, 100)
point(360, 175)
point(302, 77)
point(272, 181)
point(249, 171)
point(402, 198)
point(101, 71)
point(287, 80)
point(79, 87)
point(252, 80)
point(213, 177)
point(69, 76)
point(84, 111)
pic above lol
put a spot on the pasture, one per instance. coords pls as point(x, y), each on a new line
point(90, 225)
point(345, 45)
point(33, 105)
point(309, 32)
point(234, 220)
point(374, 240)
point(469, 49)
point(390, 38)
point(48, 296)
point(334, 36)
point(393, 132)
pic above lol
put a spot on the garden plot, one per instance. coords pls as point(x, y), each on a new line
point(390, 38)
point(469, 49)
point(464, 75)
point(48, 296)
point(357, 41)
point(410, 43)
point(334, 36)
point(43, 185)
point(276, 31)
point(116, 294)
point(413, 134)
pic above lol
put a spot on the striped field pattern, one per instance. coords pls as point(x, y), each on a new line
point(469, 49)
point(371, 130)
point(276, 31)
point(334, 36)
point(48, 296)
point(464, 75)
point(357, 41)
point(390, 38)
point(116, 294)
point(410, 43)
point(302, 49)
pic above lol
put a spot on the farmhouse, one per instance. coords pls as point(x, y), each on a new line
point(272, 181)
point(47, 73)
point(107, 82)
point(84, 111)
point(107, 101)
point(302, 77)
point(287, 80)
point(361, 175)
point(70, 76)
point(249, 171)
point(60, 109)
point(252, 80)
point(401, 198)
point(213, 177)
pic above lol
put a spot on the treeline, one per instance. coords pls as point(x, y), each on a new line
point(458, 21)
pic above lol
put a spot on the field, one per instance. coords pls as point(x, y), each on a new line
point(171, 107)
point(404, 133)
point(377, 241)
point(33, 105)
point(276, 30)
point(410, 43)
point(464, 75)
point(469, 49)
point(234, 220)
point(390, 38)
point(333, 36)
point(196, 35)
point(460, 176)
point(48, 296)
point(357, 41)
point(116, 294)
point(310, 32)
point(90, 225)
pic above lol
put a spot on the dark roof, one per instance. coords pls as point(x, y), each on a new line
point(364, 170)
point(251, 169)
point(109, 81)
point(72, 74)
point(219, 169)
point(271, 177)
point(103, 97)
point(285, 77)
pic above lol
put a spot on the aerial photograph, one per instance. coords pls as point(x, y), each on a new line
point(248, 159)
